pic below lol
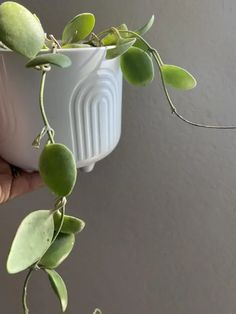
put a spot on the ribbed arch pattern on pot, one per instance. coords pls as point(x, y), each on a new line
point(95, 114)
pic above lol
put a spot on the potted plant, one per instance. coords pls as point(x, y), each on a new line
point(80, 123)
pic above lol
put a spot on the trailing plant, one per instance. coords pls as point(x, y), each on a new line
point(45, 238)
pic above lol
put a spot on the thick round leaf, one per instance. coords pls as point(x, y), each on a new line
point(177, 77)
point(111, 38)
point(142, 30)
point(121, 47)
point(137, 66)
point(59, 287)
point(78, 28)
point(58, 251)
point(70, 224)
point(31, 241)
point(20, 30)
point(58, 169)
point(57, 59)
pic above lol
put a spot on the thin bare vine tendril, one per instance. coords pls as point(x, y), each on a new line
point(60, 203)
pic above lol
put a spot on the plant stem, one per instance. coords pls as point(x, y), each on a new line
point(104, 32)
point(55, 41)
point(139, 37)
point(41, 102)
point(174, 110)
point(61, 223)
point(24, 295)
point(116, 32)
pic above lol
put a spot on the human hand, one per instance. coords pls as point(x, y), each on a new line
point(12, 185)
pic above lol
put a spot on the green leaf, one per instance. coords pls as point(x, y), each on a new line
point(57, 59)
point(70, 225)
point(137, 66)
point(59, 287)
point(142, 30)
point(20, 30)
point(37, 18)
point(177, 77)
point(31, 241)
point(78, 28)
point(141, 45)
point(123, 44)
point(58, 251)
point(57, 168)
point(75, 46)
point(111, 38)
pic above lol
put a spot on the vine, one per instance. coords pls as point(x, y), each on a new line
point(45, 238)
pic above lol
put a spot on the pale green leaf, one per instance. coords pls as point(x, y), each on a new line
point(141, 45)
point(112, 38)
point(66, 46)
point(137, 67)
point(123, 44)
point(20, 30)
point(57, 59)
point(70, 224)
point(59, 287)
point(31, 241)
point(142, 30)
point(37, 18)
point(177, 77)
point(57, 168)
point(58, 251)
point(78, 28)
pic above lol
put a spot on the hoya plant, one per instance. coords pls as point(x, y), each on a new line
point(46, 237)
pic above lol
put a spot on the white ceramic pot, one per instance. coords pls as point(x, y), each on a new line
point(83, 105)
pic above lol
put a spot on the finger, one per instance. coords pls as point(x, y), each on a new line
point(4, 167)
point(25, 183)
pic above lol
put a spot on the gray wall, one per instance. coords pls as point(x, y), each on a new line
point(160, 210)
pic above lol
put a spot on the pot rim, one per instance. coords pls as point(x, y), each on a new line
point(66, 49)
